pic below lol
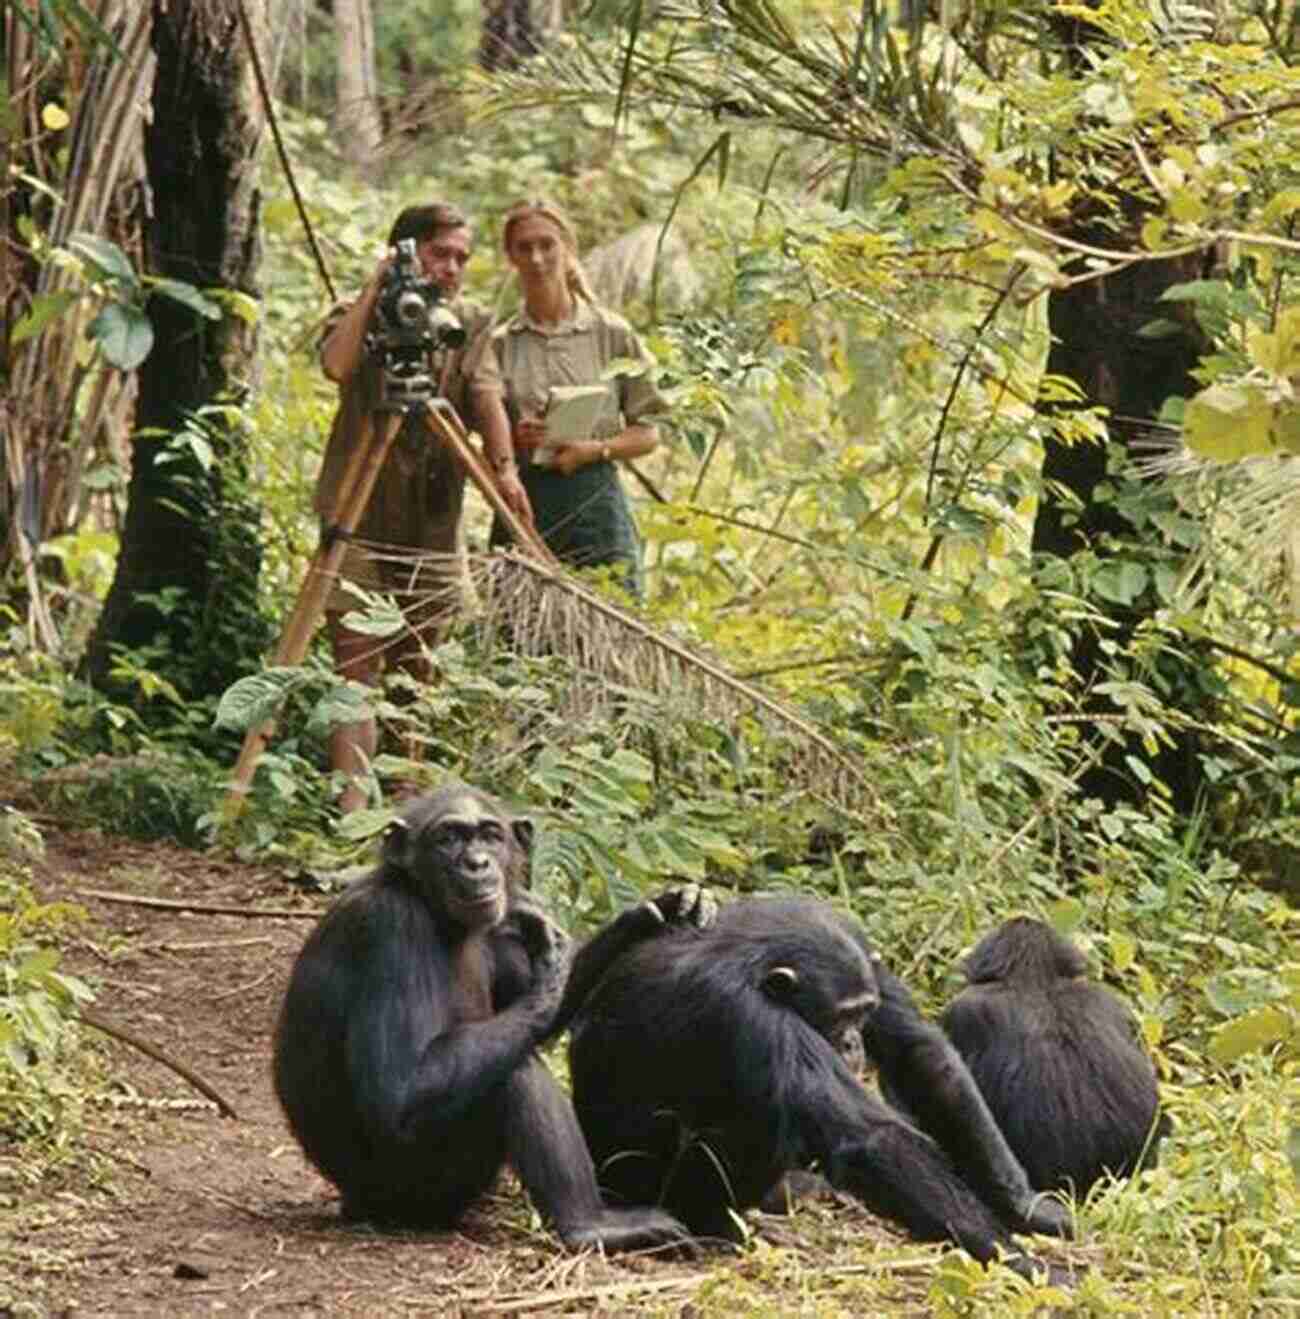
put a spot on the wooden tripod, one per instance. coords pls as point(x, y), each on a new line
point(358, 482)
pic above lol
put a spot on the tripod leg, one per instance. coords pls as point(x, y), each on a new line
point(448, 426)
point(359, 482)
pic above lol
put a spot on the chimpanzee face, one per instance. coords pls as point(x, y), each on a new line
point(459, 847)
point(832, 987)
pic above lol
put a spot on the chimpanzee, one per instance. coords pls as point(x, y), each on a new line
point(1057, 1057)
point(707, 1063)
point(405, 1052)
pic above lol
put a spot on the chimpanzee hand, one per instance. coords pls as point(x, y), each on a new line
point(1047, 1215)
point(687, 904)
point(548, 951)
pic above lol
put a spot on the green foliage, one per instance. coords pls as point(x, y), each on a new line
point(39, 1098)
point(1247, 406)
point(121, 327)
point(603, 845)
point(852, 468)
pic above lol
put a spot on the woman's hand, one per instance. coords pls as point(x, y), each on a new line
point(580, 453)
point(530, 433)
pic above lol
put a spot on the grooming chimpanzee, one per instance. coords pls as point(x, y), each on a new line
point(707, 1063)
point(404, 1055)
point(1057, 1057)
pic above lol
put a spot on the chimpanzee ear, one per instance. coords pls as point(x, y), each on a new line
point(397, 842)
point(522, 828)
point(522, 868)
point(780, 983)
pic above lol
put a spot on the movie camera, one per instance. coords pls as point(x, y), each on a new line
point(411, 320)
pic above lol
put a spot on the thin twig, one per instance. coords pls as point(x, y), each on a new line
point(243, 989)
point(203, 946)
point(609, 1291)
point(151, 1050)
point(136, 900)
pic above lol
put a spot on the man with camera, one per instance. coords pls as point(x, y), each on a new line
point(408, 541)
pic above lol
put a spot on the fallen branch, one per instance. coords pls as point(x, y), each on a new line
point(152, 1051)
point(171, 905)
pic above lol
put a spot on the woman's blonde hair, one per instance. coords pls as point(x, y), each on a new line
point(548, 210)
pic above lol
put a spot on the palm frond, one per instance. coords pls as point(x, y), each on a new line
point(531, 610)
point(1250, 508)
point(612, 655)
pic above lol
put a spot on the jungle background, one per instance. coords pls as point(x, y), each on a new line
point(971, 573)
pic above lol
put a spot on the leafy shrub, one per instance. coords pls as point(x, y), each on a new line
point(39, 1097)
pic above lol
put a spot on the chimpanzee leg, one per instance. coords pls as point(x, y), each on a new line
point(431, 1182)
point(922, 1075)
point(547, 1150)
point(900, 1172)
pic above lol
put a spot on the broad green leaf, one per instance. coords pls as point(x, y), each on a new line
point(344, 704)
point(1123, 949)
point(1226, 423)
point(123, 334)
point(1065, 915)
point(188, 296)
point(1232, 995)
point(76, 989)
point(381, 618)
point(1120, 582)
point(1248, 1034)
point(43, 310)
point(256, 698)
point(106, 256)
point(1160, 328)
point(38, 964)
point(1187, 206)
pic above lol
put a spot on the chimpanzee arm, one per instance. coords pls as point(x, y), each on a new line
point(892, 1167)
point(925, 1076)
point(412, 1063)
point(686, 907)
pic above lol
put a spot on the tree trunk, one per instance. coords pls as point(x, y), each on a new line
point(1095, 343)
point(359, 127)
point(184, 592)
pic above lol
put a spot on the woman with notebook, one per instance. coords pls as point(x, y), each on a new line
point(572, 386)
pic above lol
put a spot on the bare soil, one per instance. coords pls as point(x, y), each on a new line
point(166, 1207)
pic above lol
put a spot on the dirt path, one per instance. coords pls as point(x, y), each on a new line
point(196, 1214)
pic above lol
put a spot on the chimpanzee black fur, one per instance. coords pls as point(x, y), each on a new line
point(1057, 1057)
point(404, 1055)
point(707, 1063)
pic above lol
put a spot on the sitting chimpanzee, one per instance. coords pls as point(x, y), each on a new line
point(404, 1055)
point(1057, 1057)
point(707, 1063)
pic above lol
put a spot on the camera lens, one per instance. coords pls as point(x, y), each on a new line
point(410, 310)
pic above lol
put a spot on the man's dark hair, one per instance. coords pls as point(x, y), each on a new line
point(421, 222)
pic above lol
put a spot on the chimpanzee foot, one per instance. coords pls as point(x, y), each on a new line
point(626, 1229)
point(1046, 1214)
